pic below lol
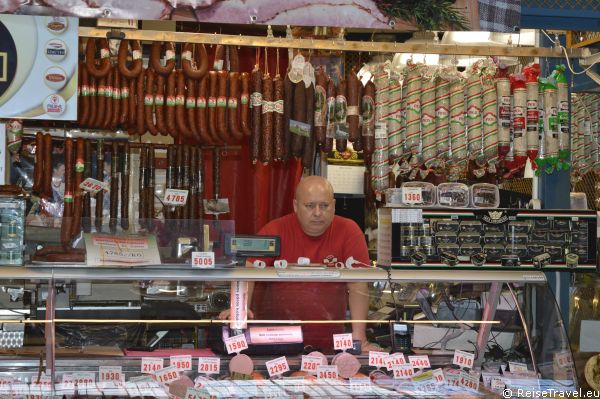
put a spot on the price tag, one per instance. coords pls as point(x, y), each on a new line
point(327, 372)
point(381, 130)
point(236, 344)
point(469, 381)
point(463, 359)
point(151, 364)
point(563, 359)
point(516, 367)
point(438, 376)
point(419, 362)
point(377, 359)
point(403, 372)
point(197, 393)
point(110, 373)
point(203, 260)
point(360, 384)
point(182, 362)
point(83, 379)
point(396, 359)
point(67, 379)
point(209, 365)
point(342, 341)
point(277, 366)
point(497, 384)
point(310, 364)
point(412, 195)
point(167, 375)
point(93, 186)
point(175, 197)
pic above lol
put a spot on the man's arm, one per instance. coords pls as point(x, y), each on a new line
point(358, 301)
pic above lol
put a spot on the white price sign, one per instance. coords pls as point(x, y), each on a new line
point(403, 372)
point(182, 362)
point(377, 359)
point(209, 365)
point(563, 359)
point(419, 362)
point(203, 260)
point(327, 372)
point(360, 384)
point(67, 381)
point(412, 195)
point(497, 384)
point(236, 344)
point(277, 366)
point(110, 373)
point(151, 364)
point(167, 375)
point(469, 381)
point(310, 364)
point(342, 341)
point(438, 376)
point(197, 393)
point(516, 367)
point(396, 359)
point(463, 359)
point(82, 379)
point(175, 197)
point(93, 186)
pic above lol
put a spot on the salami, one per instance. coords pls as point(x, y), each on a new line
point(47, 167)
point(184, 179)
point(114, 187)
point(87, 212)
point(190, 108)
point(194, 67)
point(159, 105)
point(394, 119)
point(77, 193)
point(490, 120)
point(562, 93)
point(368, 125)
point(232, 106)
point(532, 72)
point(442, 110)
point(222, 106)
point(171, 176)
point(519, 106)
point(169, 58)
point(183, 129)
point(457, 129)
point(429, 149)
point(38, 171)
point(101, 70)
point(65, 228)
point(100, 177)
point(201, 117)
point(84, 114)
point(353, 85)
point(330, 119)
point(199, 182)
point(132, 106)
point(299, 115)
point(170, 101)
point(108, 89)
point(413, 106)
point(347, 364)
point(212, 107)
point(256, 104)
point(193, 187)
point(278, 119)
point(150, 187)
point(320, 107)
point(142, 185)
point(116, 100)
point(245, 104)
point(100, 105)
point(136, 56)
point(473, 112)
point(234, 59)
point(288, 93)
point(341, 116)
point(504, 102)
point(266, 139)
point(125, 188)
point(309, 142)
point(219, 60)
point(93, 102)
point(140, 112)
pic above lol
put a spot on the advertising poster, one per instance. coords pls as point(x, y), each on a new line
point(38, 67)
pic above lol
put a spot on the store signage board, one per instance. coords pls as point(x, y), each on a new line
point(121, 250)
point(39, 80)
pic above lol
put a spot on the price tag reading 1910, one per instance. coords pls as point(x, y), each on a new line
point(110, 373)
point(463, 359)
point(277, 366)
point(167, 375)
point(152, 364)
point(182, 362)
point(175, 197)
point(342, 341)
point(236, 344)
point(412, 195)
point(419, 362)
point(203, 260)
point(403, 372)
point(310, 364)
point(327, 372)
point(209, 365)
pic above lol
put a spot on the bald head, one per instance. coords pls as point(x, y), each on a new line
point(314, 205)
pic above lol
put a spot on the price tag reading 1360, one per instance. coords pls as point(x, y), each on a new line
point(412, 195)
point(236, 344)
point(209, 365)
point(203, 260)
point(342, 341)
point(463, 359)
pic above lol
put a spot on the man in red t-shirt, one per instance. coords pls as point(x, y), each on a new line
point(314, 232)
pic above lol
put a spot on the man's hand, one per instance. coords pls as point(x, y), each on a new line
point(224, 315)
point(367, 346)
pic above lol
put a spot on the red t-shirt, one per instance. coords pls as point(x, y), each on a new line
point(310, 300)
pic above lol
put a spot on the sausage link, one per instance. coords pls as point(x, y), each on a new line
point(92, 101)
point(159, 105)
point(140, 112)
point(65, 227)
point(77, 202)
point(170, 101)
point(353, 106)
point(80, 67)
point(199, 179)
point(194, 67)
point(100, 104)
point(201, 117)
point(341, 114)
point(309, 142)
point(358, 144)
point(245, 104)
point(299, 116)
point(266, 139)
point(212, 107)
point(232, 107)
point(108, 114)
point(150, 188)
point(149, 103)
point(193, 187)
point(47, 167)
point(136, 56)
point(124, 106)
point(38, 173)
point(185, 179)
point(143, 180)
point(99, 209)
point(90, 57)
point(368, 126)
point(278, 128)
point(234, 59)
point(87, 172)
point(169, 56)
point(177, 212)
point(171, 177)
point(132, 117)
point(320, 107)
point(288, 94)
point(330, 125)
point(219, 60)
point(114, 187)
point(125, 188)
point(190, 109)
point(222, 106)
point(116, 97)
point(256, 99)
point(85, 97)
point(183, 129)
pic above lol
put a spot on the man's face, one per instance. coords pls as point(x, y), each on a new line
point(315, 209)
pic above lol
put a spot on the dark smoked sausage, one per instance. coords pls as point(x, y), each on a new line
point(212, 107)
point(353, 106)
point(222, 106)
point(320, 128)
point(288, 93)
point(330, 125)
point(299, 115)
point(368, 126)
point(159, 105)
point(278, 121)
point(245, 104)
point(309, 142)
point(266, 139)
point(171, 128)
point(256, 100)
point(190, 109)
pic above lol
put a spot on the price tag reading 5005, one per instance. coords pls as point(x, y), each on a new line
point(236, 344)
point(203, 260)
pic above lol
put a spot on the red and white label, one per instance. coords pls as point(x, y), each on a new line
point(175, 197)
point(277, 366)
point(342, 341)
point(110, 373)
point(67, 379)
point(516, 367)
point(236, 344)
point(203, 260)
point(438, 376)
point(151, 364)
point(82, 379)
point(93, 186)
point(327, 372)
point(209, 365)
point(563, 359)
point(167, 375)
point(197, 393)
point(182, 362)
point(397, 359)
point(463, 359)
point(377, 359)
point(310, 364)
point(469, 381)
point(419, 362)
point(497, 384)
point(412, 195)
point(403, 372)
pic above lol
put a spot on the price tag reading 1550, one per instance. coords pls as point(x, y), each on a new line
point(203, 260)
point(236, 344)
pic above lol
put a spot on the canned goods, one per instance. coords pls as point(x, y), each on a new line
point(468, 237)
point(445, 237)
point(471, 225)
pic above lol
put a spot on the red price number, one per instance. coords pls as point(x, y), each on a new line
point(183, 362)
point(469, 382)
point(6, 381)
point(84, 378)
point(209, 365)
point(175, 197)
point(151, 364)
point(310, 364)
point(377, 359)
point(342, 341)
point(419, 362)
point(563, 359)
point(277, 366)
point(397, 359)
point(167, 375)
point(463, 359)
point(412, 195)
point(195, 393)
point(91, 185)
point(203, 259)
point(403, 372)
point(110, 373)
point(438, 376)
point(236, 344)
point(327, 372)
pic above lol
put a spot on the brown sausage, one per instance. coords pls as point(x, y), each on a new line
point(47, 167)
point(169, 55)
point(93, 101)
point(194, 67)
point(65, 227)
point(232, 106)
point(90, 57)
point(278, 130)
point(368, 126)
point(125, 188)
point(38, 173)
point(288, 94)
point(222, 106)
point(132, 117)
point(199, 182)
point(353, 105)
point(171, 177)
point(116, 96)
point(341, 114)
point(201, 113)
point(85, 97)
point(170, 101)
point(266, 139)
point(124, 106)
point(320, 128)
point(256, 100)
point(108, 113)
point(190, 109)
point(185, 179)
point(150, 187)
point(136, 55)
point(180, 118)
point(100, 177)
point(193, 186)
point(245, 104)
point(61, 257)
point(159, 105)
point(330, 125)
point(299, 115)
point(309, 142)
point(143, 180)
point(358, 144)
point(140, 114)
point(100, 104)
point(219, 60)
point(87, 211)
point(212, 107)
point(178, 177)
point(234, 59)
point(149, 103)
point(77, 202)
point(114, 187)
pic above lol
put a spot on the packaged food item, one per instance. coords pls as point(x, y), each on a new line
point(425, 240)
point(450, 248)
point(493, 252)
point(409, 240)
point(519, 227)
point(562, 224)
point(467, 250)
point(493, 238)
point(446, 225)
point(469, 237)
point(407, 250)
point(556, 252)
point(539, 236)
point(519, 250)
point(557, 236)
point(535, 250)
point(579, 237)
point(542, 224)
point(485, 195)
point(445, 237)
point(453, 195)
point(416, 193)
point(581, 251)
point(471, 225)
point(518, 238)
point(393, 196)
point(428, 250)
point(496, 228)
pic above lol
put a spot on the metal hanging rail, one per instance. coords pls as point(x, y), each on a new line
point(333, 44)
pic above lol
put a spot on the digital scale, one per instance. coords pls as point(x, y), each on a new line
point(246, 246)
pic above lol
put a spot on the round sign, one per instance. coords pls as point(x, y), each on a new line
point(56, 50)
point(54, 105)
point(56, 25)
point(55, 78)
point(8, 59)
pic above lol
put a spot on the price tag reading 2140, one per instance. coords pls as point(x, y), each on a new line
point(342, 341)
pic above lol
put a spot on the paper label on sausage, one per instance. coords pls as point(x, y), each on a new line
point(159, 100)
point(148, 100)
point(186, 55)
point(179, 99)
point(212, 102)
point(278, 106)
point(190, 102)
point(341, 109)
point(353, 110)
point(104, 53)
point(320, 106)
point(125, 92)
point(201, 102)
point(116, 93)
point(79, 165)
point(136, 55)
point(218, 65)
point(221, 102)
point(108, 91)
point(92, 91)
point(100, 91)
point(473, 112)
point(170, 101)
point(441, 113)
point(256, 99)
point(300, 128)
point(169, 55)
point(342, 131)
point(85, 90)
point(489, 119)
point(232, 103)
point(244, 99)
point(368, 106)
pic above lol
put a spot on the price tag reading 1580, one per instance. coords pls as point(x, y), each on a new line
point(236, 344)
point(342, 341)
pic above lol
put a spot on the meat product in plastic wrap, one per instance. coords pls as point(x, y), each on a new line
point(428, 125)
point(532, 72)
point(394, 118)
point(458, 139)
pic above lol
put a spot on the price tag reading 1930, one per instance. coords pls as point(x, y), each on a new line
point(151, 364)
point(182, 362)
point(203, 260)
point(236, 344)
point(209, 365)
point(342, 341)
point(310, 363)
point(277, 366)
point(167, 375)
point(175, 197)
point(419, 362)
point(110, 373)
point(327, 372)
point(463, 359)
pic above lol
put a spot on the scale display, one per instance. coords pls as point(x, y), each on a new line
point(246, 246)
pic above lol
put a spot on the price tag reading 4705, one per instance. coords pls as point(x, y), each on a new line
point(203, 260)
point(236, 344)
point(342, 341)
point(110, 373)
point(327, 372)
point(182, 362)
point(167, 375)
point(175, 197)
point(277, 366)
point(463, 359)
point(209, 365)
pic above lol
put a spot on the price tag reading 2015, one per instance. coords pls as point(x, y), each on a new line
point(310, 364)
point(412, 195)
point(209, 365)
point(182, 362)
point(203, 260)
point(419, 362)
point(342, 341)
point(327, 372)
point(167, 375)
point(236, 344)
point(110, 373)
point(175, 197)
point(277, 366)
point(151, 364)
point(463, 359)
